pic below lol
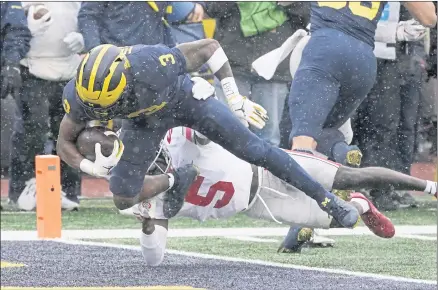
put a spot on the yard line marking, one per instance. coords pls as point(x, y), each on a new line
point(251, 239)
point(211, 232)
point(418, 237)
point(257, 262)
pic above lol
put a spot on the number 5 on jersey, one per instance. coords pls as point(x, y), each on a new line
point(357, 8)
point(225, 187)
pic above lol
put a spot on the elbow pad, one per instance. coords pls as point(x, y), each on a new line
point(153, 246)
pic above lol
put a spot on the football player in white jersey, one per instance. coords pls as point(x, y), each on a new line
point(228, 185)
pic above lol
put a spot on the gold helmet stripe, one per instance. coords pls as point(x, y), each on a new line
point(81, 70)
point(96, 65)
point(107, 80)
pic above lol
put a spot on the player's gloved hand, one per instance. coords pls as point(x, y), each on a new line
point(38, 26)
point(201, 89)
point(11, 79)
point(180, 181)
point(102, 165)
point(248, 111)
point(74, 41)
point(410, 30)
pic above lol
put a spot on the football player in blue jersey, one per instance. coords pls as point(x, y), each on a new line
point(150, 89)
point(335, 74)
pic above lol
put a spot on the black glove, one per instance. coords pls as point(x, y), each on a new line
point(11, 79)
point(174, 198)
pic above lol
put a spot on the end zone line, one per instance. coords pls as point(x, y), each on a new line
point(257, 262)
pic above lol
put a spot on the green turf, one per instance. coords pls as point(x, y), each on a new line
point(101, 214)
point(397, 257)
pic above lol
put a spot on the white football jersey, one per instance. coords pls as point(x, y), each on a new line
point(222, 188)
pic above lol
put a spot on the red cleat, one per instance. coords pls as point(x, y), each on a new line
point(379, 224)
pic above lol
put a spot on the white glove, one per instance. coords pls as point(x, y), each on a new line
point(248, 112)
point(74, 41)
point(201, 89)
point(102, 165)
point(410, 30)
point(38, 26)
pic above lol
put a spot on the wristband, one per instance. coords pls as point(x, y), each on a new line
point(229, 87)
point(171, 180)
point(87, 166)
point(217, 60)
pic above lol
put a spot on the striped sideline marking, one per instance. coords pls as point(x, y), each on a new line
point(257, 262)
point(176, 287)
point(401, 231)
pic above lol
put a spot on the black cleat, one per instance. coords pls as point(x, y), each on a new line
point(174, 198)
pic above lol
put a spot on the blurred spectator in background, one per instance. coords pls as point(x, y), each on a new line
point(14, 44)
point(124, 23)
point(189, 22)
point(386, 121)
point(427, 123)
point(51, 61)
point(248, 30)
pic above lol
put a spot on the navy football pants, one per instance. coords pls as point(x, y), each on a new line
point(216, 121)
point(335, 74)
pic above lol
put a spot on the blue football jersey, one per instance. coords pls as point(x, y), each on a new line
point(358, 19)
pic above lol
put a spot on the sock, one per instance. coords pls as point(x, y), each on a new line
point(363, 204)
point(431, 187)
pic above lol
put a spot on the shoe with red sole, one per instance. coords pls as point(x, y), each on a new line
point(379, 224)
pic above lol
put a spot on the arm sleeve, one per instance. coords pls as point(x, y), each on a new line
point(159, 66)
point(153, 246)
point(17, 35)
point(89, 22)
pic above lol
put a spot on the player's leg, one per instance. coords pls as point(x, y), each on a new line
point(380, 178)
point(141, 143)
point(214, 119)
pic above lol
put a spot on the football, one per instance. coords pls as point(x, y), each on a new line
point(87, 139)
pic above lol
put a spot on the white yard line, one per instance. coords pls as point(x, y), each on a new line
point(211, 232)
point(258, 262)
point(251, 239)
point(418, 237)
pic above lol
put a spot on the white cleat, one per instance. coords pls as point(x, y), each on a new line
point(321, 241)
point(27, 199)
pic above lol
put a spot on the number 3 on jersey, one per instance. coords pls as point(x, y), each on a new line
point(166, 59)
point(225, 187)
point(357, 8)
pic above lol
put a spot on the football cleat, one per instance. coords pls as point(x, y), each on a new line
point(295, 239)
point(379, 224)
point(173, 199)
point(343, 212)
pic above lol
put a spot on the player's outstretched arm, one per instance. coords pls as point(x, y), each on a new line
point(380, 178)
point(209, 51)
point(423, 12)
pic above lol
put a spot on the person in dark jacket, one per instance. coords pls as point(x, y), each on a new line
point(124, 23)
point(14, 45)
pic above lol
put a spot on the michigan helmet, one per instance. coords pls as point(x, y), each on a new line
point(102, 80)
